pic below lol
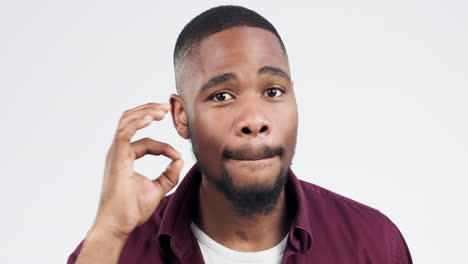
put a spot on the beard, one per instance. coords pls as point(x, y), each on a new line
point(247, 200)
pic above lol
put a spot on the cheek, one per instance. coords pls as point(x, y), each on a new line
point(209, 133)
point(287, 126)
point(284, 116)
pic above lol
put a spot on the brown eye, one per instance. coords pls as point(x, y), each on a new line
point(273, 92)
point(221, 96)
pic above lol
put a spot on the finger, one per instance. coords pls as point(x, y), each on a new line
point(149, 146)
point(157, 115)
point(157, 111)
point(164, 106)
point(124, 134)
point(169, 177)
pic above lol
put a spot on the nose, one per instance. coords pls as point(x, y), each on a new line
point(252, 121)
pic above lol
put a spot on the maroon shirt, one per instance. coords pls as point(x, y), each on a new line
point(328, 229)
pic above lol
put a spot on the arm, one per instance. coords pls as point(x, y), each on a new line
point(99, 247)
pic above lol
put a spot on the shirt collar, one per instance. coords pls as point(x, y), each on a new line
point(300, 233)
point(175, 224)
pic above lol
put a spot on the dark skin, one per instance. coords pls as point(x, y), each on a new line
point(251, 105)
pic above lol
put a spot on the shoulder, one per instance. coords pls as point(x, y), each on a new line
point(336, 201)
point(341, 211)
point(339, 219)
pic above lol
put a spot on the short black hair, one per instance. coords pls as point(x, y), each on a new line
point(215, 20)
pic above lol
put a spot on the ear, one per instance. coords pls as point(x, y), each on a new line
point(179, 116)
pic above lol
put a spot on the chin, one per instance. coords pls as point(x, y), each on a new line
point(252, 189)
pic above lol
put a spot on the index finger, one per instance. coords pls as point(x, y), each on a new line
point(124, 134)
point(148, 146)
point(162, 106)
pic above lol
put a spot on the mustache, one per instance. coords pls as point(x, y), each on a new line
point(249, 152)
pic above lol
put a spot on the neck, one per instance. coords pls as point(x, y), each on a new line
point(257, 232)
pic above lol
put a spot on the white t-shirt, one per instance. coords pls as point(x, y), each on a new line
point(215, 253)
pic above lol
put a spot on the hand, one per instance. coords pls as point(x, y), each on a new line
point(128, 198)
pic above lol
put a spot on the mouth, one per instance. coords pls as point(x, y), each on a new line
point(264, 158)
point(249, 153)
point(256, 164)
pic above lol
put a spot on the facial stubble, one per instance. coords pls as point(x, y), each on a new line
point(247, 200)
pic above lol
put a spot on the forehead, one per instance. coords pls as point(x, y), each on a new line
point(238, 49)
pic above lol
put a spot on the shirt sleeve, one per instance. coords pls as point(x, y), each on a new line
point(74, 255)
point(399, 252)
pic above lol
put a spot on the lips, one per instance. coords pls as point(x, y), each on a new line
point(255, 158)
point(251, 153)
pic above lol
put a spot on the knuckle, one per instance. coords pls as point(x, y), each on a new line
point(175, 181)
point(165, 146)
point(121, 132)
point(121, 122)
point(127, 155)
point(116, 146)
point(168, 181)
point(157, 107)
point(146, 140)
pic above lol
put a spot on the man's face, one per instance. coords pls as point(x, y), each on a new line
point(242, 111)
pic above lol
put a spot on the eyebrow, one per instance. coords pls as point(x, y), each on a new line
point(219, 80)
point(229, 76)
point(274, 71)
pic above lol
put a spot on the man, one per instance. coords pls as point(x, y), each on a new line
point(240, 203)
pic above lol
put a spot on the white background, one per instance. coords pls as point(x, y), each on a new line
point(381, 87)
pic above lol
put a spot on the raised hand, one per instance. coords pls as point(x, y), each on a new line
point(128, 198)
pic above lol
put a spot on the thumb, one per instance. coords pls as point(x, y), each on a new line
point(170, 177)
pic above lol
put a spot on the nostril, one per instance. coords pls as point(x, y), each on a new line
point(246, 130)
point(263, 129)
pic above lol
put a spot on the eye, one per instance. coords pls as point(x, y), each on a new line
point(223, 96)
point(273, 92)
